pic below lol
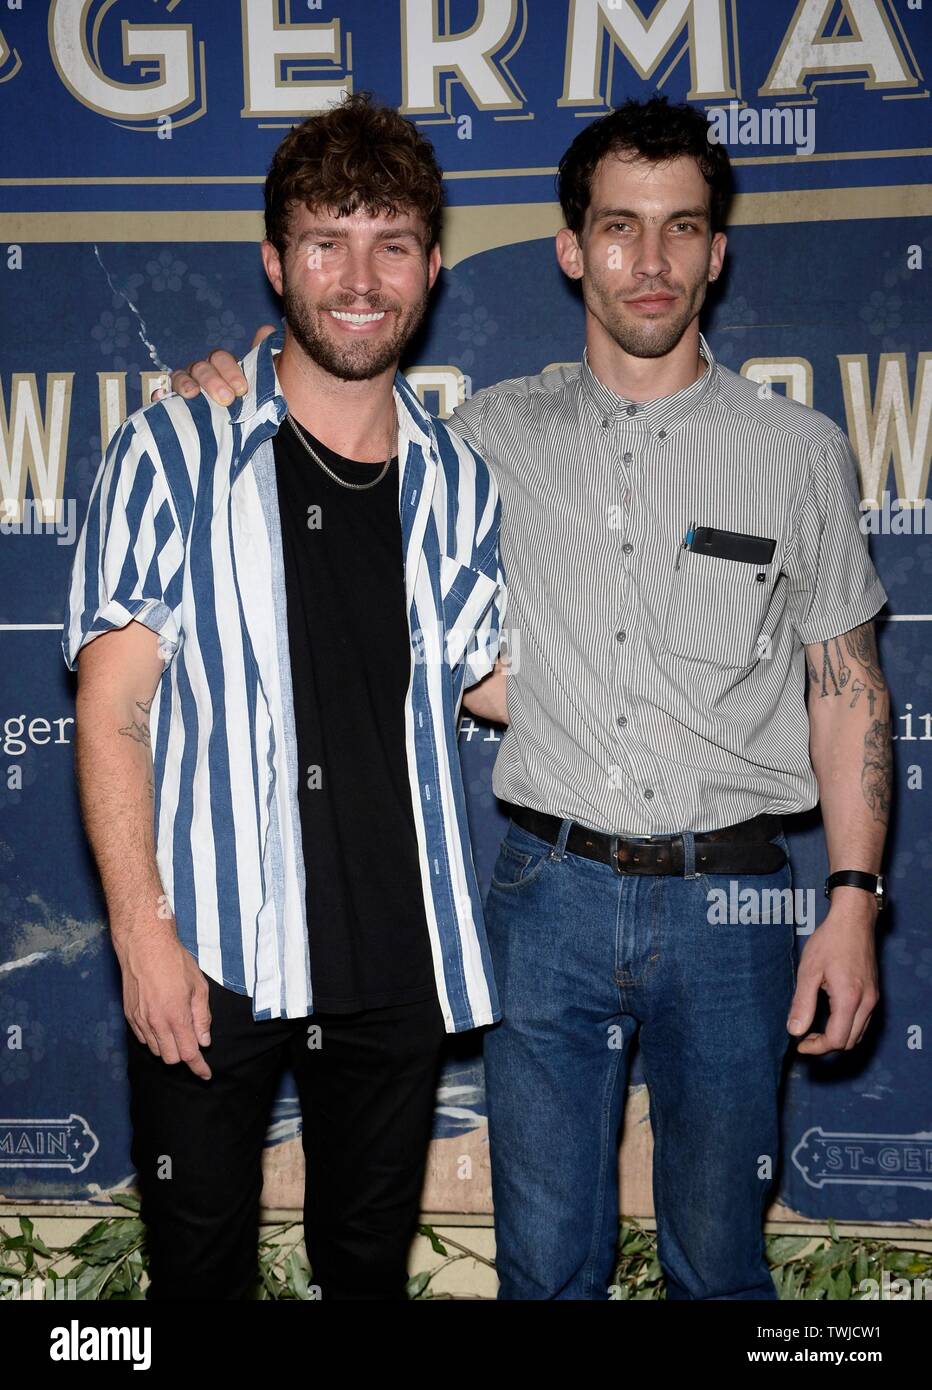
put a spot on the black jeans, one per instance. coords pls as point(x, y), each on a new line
point(366, 1083)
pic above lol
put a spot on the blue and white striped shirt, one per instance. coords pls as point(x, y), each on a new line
point(182, 534)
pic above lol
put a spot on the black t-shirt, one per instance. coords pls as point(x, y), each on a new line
point(350, 667)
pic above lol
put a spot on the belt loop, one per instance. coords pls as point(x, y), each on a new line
point(559, 848)
point(689, 854)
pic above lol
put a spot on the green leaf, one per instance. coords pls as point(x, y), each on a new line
point(297, 1274)
point(90, 1282)
point(107, 1241)
point(418, 1283)
point(125, 1199)
point(436, 1244)
point(783, 1248)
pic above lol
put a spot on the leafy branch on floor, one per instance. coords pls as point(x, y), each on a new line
point(108, 1261)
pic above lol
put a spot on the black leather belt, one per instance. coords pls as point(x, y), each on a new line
point(744, 848)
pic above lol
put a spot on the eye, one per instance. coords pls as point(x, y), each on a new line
point(690, 226)
point(393, 247)
point(614, 226)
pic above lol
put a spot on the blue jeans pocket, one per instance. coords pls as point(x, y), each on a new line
point(515, 868)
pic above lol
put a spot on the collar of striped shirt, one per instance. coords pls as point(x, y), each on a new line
point(182, 534)
point(661, 416)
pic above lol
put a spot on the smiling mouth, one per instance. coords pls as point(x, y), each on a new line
point(346, 317)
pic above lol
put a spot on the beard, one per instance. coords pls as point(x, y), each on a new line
point(642, 337)
point(355, 359)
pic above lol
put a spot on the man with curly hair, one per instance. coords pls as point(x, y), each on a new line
point(276, 606)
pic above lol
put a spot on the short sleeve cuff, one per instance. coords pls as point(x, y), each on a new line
point(826, 625)
point(152, 613)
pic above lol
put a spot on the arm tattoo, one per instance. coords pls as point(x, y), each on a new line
point(877, 773)
point(862, 645)
point(138, 730)
point(834, 669)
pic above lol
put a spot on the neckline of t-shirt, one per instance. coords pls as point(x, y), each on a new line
point(354, 468)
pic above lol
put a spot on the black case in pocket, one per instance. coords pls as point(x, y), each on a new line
point(733, 545)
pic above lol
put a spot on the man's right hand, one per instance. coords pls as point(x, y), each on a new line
point(218, 374)
point(165, 996)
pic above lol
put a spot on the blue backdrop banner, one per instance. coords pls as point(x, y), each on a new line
point(137, 137)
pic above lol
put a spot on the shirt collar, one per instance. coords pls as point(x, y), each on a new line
point(660, 416)
point(264, 397)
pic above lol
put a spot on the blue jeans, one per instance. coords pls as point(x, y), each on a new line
point(583, 958)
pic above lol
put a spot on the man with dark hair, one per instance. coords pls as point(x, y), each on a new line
point(275, 609)
point(681, 545)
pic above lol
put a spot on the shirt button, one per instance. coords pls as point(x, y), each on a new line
point(661, 434)
point(627, 547)
point(627, 457)
point(621, 721)
point(620, 636)
point(632, 410)
point(648, 793)
point(605, 422)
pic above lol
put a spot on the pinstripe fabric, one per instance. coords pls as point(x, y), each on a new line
point(659, 689)
point(182, 534)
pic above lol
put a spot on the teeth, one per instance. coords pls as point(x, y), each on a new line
point(357, 318)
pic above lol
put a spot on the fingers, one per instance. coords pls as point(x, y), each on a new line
point(262, 332)
point(862, 1018)
point(146, 1034)
point(200, 1016)
point(137, 1031)
point(218, 375)
point(844, 1023)
point(803, 1007)
point(174, 1041)
point(180, 1045)
point(190, 1053)
point(161, 389)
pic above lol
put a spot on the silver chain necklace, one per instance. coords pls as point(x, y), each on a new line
point(356, 487)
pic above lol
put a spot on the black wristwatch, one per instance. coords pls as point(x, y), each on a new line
point(854, 878)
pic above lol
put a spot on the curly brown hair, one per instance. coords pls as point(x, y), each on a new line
point(354, 155)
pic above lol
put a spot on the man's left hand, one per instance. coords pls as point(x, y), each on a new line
point(840, 957)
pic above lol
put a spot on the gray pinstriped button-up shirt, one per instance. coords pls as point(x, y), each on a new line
point(659, 689)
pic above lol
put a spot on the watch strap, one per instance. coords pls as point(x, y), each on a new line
point(855, 878)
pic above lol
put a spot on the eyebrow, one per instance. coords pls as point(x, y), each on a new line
point(338, 233)
point(697, 213)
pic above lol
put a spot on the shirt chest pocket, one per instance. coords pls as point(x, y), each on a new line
point(466, 594)
point(717, 608)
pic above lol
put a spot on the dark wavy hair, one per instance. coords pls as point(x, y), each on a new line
point(354, 155)
point(654, 130)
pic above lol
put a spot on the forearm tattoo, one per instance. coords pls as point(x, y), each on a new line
point(138, 731)
point(877, 773)
point(834, 672)
point(835, 675)
point(862, 645)
point(863, 678)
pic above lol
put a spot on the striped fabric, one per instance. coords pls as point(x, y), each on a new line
point(658, 689)
point(182, 534)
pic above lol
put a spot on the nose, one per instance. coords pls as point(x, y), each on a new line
point(650, 258)
point(360, 274)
